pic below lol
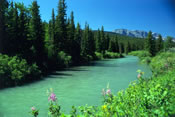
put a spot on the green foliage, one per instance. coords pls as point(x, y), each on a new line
point(111, 55)
point(152, 97)
point(159, 44)
point(37, 35)
point(150, 44)
point(98, 56)
point(88, 44)
point(127, 47)
point(63, 59)
point(163, 62)
point(3, 22)
point(168, 43)
point(144, 56)
point(140, 54)
point(14, 70)
point(61, 27)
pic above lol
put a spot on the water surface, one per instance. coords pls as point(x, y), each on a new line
point(76, 86)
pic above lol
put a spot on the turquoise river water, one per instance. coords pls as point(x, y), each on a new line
point(75, 86)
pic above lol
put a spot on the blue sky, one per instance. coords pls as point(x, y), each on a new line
point(155, 15)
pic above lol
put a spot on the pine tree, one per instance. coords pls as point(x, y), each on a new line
point(77, 46)
point(52, 26)
point(107, 38)
point(121, 48)
point(23, 46)
point(102, 36)
point(61, 27)
point(70, 34)
point(168, 42)
point(159, 44)
point(116, 44)
point(51, 32)
point(112, 45)
point(11, 43)
point(149, 44)
point(127, 47)
point(98, 41)
point(3, 10)
point(37, 35)
point(87, 43)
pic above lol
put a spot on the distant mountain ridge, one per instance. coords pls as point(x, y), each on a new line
point(134, 33)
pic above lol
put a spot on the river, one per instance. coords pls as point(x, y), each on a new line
point(75, 86)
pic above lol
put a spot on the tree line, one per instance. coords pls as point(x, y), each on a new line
point(154, 46)
point(23, 33)
point(28, 41)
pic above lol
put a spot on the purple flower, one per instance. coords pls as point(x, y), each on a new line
point(52, 97)
point(103, 92)
point(108, 91)
point(33, 108)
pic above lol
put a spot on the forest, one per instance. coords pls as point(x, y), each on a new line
point(31, 48)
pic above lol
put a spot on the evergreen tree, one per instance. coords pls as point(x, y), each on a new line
point(149, 44)
point(98, 41)
point(84, 42)
point(159, 44)
point(127, 47)
point(11, 43)
point(24, 44)
point(87, 43)
point(77, 46)
point(121, 48)
point(51, 29)
point(70, 35)
point(116, 44)
point(107, 42)
point(37, 35)
point(112, 45)
point(168, 42)
point(51, 32)
point(3, 11)
point(61, 27)
point(102, 36)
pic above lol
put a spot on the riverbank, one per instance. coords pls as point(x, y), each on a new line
point(152, 96)
point(76, 86)
point(15, 71)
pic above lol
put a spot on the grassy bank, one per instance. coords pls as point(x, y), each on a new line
point(151, 97)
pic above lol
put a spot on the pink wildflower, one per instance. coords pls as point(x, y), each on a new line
point(108, 91)
point(33, 108)
point(139, 76)
point(103, 92)
point(52, 97)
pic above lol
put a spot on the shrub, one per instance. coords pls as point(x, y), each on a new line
point(63, 59)
point(111, 55)
point(163, 62)
point(144, 56)
point(14, 71)
point(98, 56)
point(140, 54)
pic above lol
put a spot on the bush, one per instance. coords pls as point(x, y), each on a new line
point(63, 59)
point(111, 55)
point(140, 54)
point(14, 71)
point(98, 56)
point(144, 56)
point(163, 62)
